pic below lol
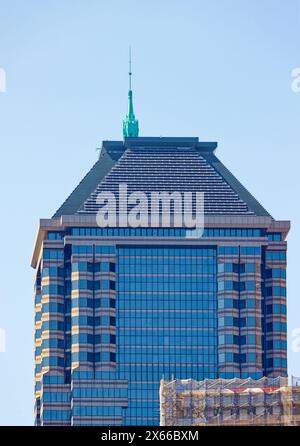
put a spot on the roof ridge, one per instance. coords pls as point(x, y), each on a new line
point(102, 179)
point(237, 186)
point(84, 188)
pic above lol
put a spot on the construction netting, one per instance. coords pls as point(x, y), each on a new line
point(268, 401)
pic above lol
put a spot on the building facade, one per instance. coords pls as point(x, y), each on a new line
point(117, 308)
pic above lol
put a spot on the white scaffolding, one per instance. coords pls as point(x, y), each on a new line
point(268, 401)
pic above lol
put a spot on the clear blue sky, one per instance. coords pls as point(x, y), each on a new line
point(220, 70)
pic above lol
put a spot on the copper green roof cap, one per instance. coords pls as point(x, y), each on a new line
point(130, 124)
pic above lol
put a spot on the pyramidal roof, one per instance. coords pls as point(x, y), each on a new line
point(162, 164)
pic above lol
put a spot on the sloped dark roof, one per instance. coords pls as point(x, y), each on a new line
point(163, 164)
point(88, 184)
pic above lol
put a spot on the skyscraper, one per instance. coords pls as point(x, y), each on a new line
point(117, 308)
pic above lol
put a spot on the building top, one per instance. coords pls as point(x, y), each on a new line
point(163, 164)
point(234, 384)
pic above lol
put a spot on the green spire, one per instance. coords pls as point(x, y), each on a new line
point(130, 124)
